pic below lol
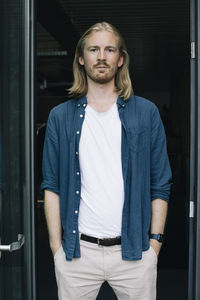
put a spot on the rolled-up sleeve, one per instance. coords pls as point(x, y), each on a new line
point(161, 176)
point(50, 162)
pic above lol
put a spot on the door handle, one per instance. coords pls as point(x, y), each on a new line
point(15, 245)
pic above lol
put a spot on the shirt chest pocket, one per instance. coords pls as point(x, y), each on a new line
point(137, 139)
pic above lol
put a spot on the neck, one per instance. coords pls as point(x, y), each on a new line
point(101, 93)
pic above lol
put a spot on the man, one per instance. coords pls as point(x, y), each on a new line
point(106, 177)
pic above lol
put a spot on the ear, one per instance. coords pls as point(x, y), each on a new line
point(121, 61)
point(81, 60)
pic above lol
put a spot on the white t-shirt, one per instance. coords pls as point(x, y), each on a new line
point(102, 186)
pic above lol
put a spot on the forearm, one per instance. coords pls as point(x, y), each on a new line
point(159, 209)
point(158, 219)
point(52, 214)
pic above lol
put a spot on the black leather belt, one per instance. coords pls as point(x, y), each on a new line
point(102, 242)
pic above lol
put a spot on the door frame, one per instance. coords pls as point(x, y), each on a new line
point(194, 211)
point(29, 191)
point(197, 92)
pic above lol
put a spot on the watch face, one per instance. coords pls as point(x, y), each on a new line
point(160, 238)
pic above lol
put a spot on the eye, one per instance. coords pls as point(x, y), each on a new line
point(111, 50)
point(93, 50)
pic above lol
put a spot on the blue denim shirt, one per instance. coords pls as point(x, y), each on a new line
point(145, 167)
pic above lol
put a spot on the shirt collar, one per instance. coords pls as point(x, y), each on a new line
point(83, 101)
point(121, 102)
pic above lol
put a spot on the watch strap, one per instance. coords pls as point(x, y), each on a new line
point(158, 237)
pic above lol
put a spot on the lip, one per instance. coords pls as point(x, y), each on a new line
point(102, 67)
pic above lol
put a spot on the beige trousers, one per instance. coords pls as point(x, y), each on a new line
point(81, 278)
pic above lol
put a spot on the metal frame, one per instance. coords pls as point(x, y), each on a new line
point(29, 191)
point(194, 220)
point(197, 257)
point(191, 268)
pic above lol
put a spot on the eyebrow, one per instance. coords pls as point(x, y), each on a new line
point(95, 46)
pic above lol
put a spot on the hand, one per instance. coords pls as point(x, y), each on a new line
point(155, 245)
point(54, 248)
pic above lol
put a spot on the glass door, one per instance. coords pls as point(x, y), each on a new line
point(17, 254)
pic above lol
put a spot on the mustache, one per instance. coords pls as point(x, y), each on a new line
point(101, 63)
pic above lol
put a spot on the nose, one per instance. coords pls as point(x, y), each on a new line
point(101, 54)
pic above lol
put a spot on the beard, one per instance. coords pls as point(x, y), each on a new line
point(102, 76)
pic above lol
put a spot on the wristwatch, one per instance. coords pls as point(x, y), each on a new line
point(158, 237)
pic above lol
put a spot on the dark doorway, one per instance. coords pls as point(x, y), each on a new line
point(158, 39)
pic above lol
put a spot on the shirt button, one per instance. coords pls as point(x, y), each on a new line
point(77, 192)
point(76, 152)
point(84, 105)
point(77, 173)
point(76, 211)
point(123, 105)
point(77, 132)
point(81, 116)
point(79, 105)
point(74, 231)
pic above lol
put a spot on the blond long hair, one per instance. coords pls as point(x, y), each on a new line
point(122, 79)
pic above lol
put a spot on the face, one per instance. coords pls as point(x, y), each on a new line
point(101, 58)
